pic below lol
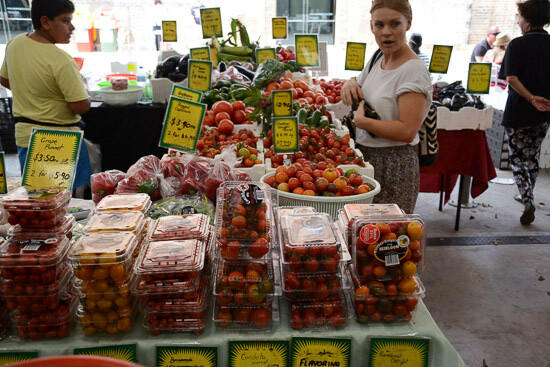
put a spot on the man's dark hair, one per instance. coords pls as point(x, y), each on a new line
point(415, 42)
point(535, 12)
point(50, 9)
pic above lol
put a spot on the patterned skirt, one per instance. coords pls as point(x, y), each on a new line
point(397, 171)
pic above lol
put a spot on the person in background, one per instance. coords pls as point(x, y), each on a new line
point(415, 43)
point(399, 89)
point(495, 57)
point(527, 112)
point(481, 48)
point(48, 91)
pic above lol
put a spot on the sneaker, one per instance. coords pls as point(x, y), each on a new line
point(528, 215)
point(518, 198)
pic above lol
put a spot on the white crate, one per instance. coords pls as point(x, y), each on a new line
point(162, 89)
point(466, 118)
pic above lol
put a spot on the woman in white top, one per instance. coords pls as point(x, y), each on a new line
point(399, 89)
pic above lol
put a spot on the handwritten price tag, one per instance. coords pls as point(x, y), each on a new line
point(307, 49)
point(285, 135)
point(211, 21)
point(186, 93)
point(3, 183)
point(126, 352)
point(199, 74)
point(355, 56)
point(282, 103)
point(441, 57)
point(405, 351)
point(52, 158)
point(263, 54)
point(279, 28)
point(258, 353)
point(169, 31)
point(176, 356)
point(479, 78)
point(200, 53)
point(182, 124)
point(320, 352)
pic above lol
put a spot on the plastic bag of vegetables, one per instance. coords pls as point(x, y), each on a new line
point(268, 71)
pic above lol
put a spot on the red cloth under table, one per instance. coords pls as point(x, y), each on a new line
point(460, 152)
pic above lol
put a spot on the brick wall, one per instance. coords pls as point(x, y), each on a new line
point(485, 13)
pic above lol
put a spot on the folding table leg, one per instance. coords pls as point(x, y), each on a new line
point(441, 192)
point(458, 207)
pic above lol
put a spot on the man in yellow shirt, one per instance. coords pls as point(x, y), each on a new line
point(47, 88)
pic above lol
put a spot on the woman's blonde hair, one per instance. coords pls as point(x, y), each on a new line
point(401, 6)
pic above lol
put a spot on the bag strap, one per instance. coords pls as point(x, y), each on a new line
point(377, 55)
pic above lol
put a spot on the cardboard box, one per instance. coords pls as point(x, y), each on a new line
point(466, 118)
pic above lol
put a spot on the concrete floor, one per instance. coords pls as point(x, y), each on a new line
point(491, 300)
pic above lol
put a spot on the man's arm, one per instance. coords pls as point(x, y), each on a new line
point(80, 107)
point(5, 82)
point(479, 58)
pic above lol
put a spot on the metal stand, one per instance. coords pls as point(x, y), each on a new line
point(464, 194)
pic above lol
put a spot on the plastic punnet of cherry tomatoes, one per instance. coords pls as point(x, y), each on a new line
point(318, 314)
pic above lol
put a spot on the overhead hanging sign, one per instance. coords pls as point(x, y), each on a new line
point(52, 158)
point(279, 27)
point(211, 22)
point(186, 356)
point(186, 93)
point(441, 58)
point(285, 135)
point(267, 353)
point(307, 49)
point(3, 182)
point(263, 54)
point(355, 56)
point(199, 75)
point(282, 103)
point(200, 53)
point(320, 352)
point(398, 351)
point(182, 124)
point(479, 78)
point(126, 352)
point(169, 31)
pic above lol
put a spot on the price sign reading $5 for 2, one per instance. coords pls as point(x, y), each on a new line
point(169, 31)
point(182, 124)
point(52, 158)
point(441, 57)
point(479, 78)
point(282, 103)
point(285, 135)
point(199, 74)
point(307, 49)
point(211, 21)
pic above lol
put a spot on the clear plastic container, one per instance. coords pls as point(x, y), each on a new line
point(247, 318)
point(33, 258)
point(64, 227)
point(167, 322)
point(293, 210)
point(166, 300)
point(304, 286)
point(310, 243)
point(47, 325)
point(246, 283)
point(104, 256)
point(123, 221)
point(139, 202)
point(176, 259)
point(180, 227)
point(37, 208)
point(388, 248)
point(333, 313)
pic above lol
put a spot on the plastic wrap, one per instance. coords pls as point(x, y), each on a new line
point(105, 183)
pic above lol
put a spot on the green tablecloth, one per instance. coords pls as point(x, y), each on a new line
point(443, 353)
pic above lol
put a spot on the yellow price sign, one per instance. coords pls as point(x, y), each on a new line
point(441, 58)
point(199, 75)
point(52, 159)
point(263, 54)
point(3, 182)
point(258, 353)
point(8, 357)
point(320, 352)
point(355, 56)
point(279, 27)
point(285, 135)
point(211, 21)
point(169, 31)
point(282, 103)
point(182, 124)
point(307, 49)
point(200, 53)
point(395, 351)
point(186, 93)
point(479, 78)
point(176, 356)
point(123, 352)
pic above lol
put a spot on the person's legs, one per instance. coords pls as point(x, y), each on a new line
point(538, 135)
point(22, 155)
point(518, 144)
point(83, 170)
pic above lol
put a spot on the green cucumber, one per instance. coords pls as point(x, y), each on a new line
point(302, 116)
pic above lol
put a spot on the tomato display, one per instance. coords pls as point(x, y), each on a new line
point(332, 88)
point(37, 208)
point(304, 286)
point(54, 324)
point(180, 227)
point(64, 227)
point(104, 183)
point(244, 317)
point(388, 248)
point(309, 243)
point(140, 202)
point(122, 221)
point(331, 313)
point(213, 141)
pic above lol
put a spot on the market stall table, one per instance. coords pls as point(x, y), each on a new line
point(461, 152)
point(126, 133)
point(443, 353)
